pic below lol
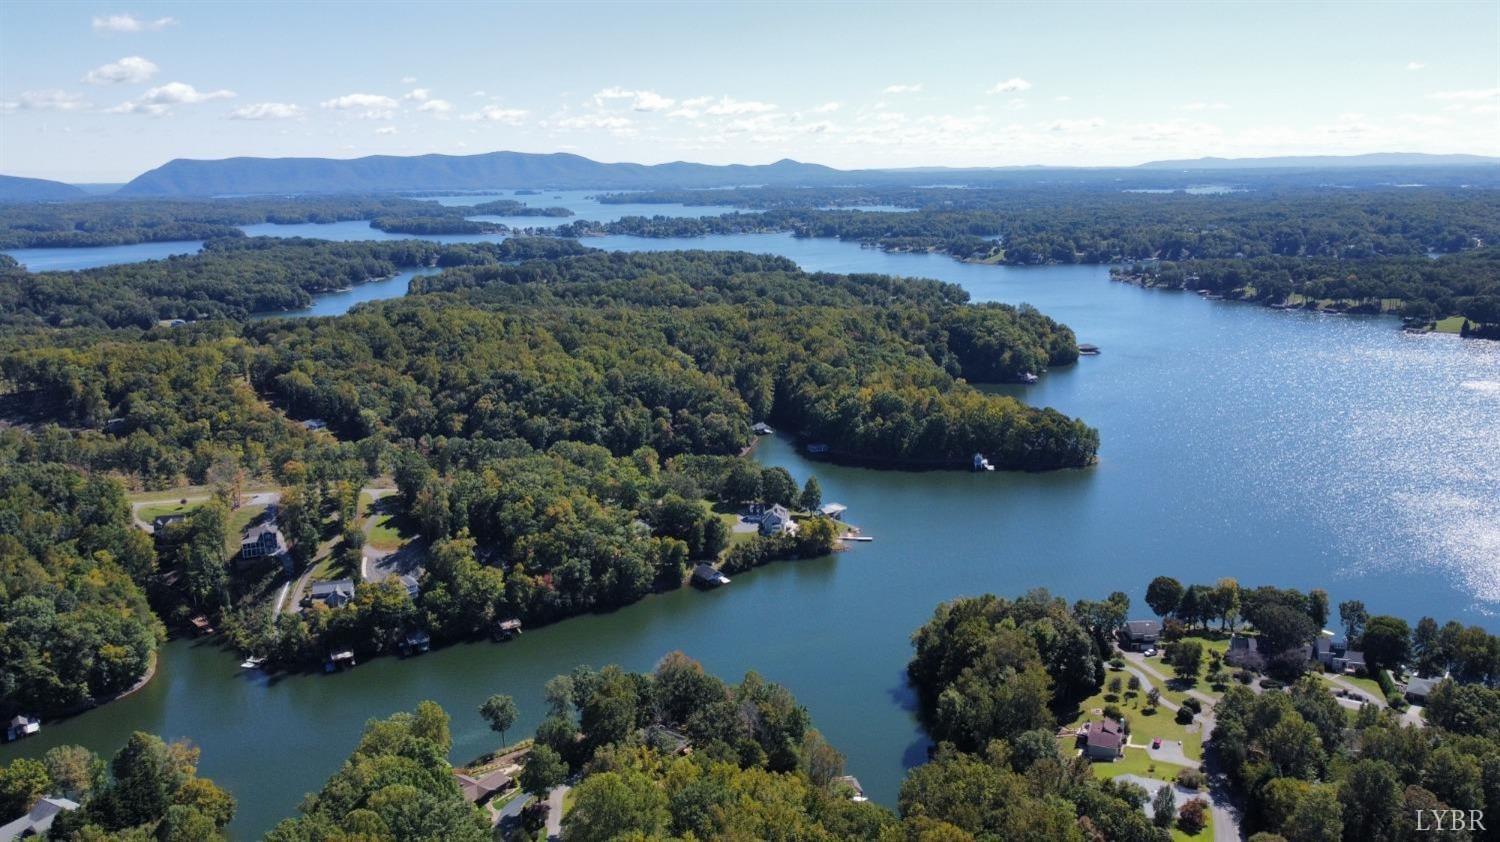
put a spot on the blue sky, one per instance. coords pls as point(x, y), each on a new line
point(101, 92)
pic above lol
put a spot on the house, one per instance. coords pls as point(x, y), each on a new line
point(332, 594)
point(1103, 740)
point(160, 523)
point(850, 784)
point(761, 428)
point(673, 742)
point(478, 790)
point(38, 820)
point(21, 726)
point(314, 424)
point(1244, 653)
point(262, 541)
point(506, 629)
point(707, 576)
point(1418, 689)
point(777, 521)
point(413, 587)
point(833, 510)
point(416, 642)
point(1139, 635)
point(1335, 655)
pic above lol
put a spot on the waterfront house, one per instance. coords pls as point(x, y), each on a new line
point(1244, 653)
point(833, 510)
point(21, 726)
point(38, 820)
point(1418, 689)
point(1103, 739)
point(708, 576)
point(1140, 635)
point(851, 785)
point(777, 521)
point(478, 790)
point(1335, 655)
point(332, 594)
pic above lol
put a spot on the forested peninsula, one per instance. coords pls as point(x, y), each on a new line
point(563, 430)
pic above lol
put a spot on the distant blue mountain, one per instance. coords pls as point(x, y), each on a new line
point(14, 188)
point(386, 173)
point(1324, 162)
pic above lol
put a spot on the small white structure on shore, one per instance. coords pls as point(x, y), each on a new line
point(761, 428)
point(981, 463)
point(22, 726)
point(833, 510)
point(708, 576)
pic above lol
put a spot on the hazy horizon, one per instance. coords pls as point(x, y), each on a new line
point(103, 92)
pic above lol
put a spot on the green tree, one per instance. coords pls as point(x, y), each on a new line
point(1353, 616)
point(1163, 595)
point(610, 805)
point(1186, 658)
point(22, 782)
point(500, 712)
point(778, 487)
point(1163, 806)
point(812, 495)
point(1386, 641)
point(543, 771)
point(1371, 796)
point(74, 771)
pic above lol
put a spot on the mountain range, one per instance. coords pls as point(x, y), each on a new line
point(389, 173)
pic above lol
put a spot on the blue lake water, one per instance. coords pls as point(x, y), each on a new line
point(1275, 447)
point(585, 205)
point(68, 259)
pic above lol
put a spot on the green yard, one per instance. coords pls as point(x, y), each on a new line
point(383, 528)
point(1452, 324)
point(1143, 727)
point(147, 514)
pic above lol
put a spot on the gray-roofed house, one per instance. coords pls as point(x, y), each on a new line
point(160, 523)
point(412, 584)
point(777, 521)
point(1418, 689)
point(1244, 652)
point(38, 820)
point(478, 790)
point(1140, 634)
point(262, 540)
point(332, 594)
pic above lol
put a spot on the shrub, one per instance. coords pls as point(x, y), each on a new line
point(1116, 664)
point(1184, 716)
point(1193, 816)
point(1191, 779)
point(1193, 704)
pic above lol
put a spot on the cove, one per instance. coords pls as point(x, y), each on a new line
point(1276, 447)
point(92, 257)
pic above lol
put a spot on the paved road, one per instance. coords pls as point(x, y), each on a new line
point(555, 811)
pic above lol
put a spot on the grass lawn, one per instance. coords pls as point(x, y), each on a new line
point(1137, 762)
point(1143, 727)
point(239, 521)
point(1452, 324)
point(1369, 685)
point(171, 507)
point(385, 531)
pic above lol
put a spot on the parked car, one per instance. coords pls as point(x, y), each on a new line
point(1156, 743)
point(1150, 652)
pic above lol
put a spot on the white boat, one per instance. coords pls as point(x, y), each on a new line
point(252, 663)
point(858, 538)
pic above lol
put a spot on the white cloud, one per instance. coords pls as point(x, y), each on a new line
point(1415, 65)
point(158, 102)
point(903, 89)
point(45, 100)
point(1074, 125)
point(496, 114)
point(418, 94)
point(1205, 106)
point(407, 80)
point(386, 130)
point(368, 106)
point(639, 100)
point(828, 108)
point(595, 121)
point(132, 69)
point(436, 106)
point(1013, 85)
point(266, 111)
point(1466, 96)
point(130, 23)
point(730, 106)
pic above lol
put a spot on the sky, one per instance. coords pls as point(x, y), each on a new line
point(100, 92)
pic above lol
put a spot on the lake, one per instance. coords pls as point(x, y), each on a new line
point(1277, 447)
point(69, 259)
